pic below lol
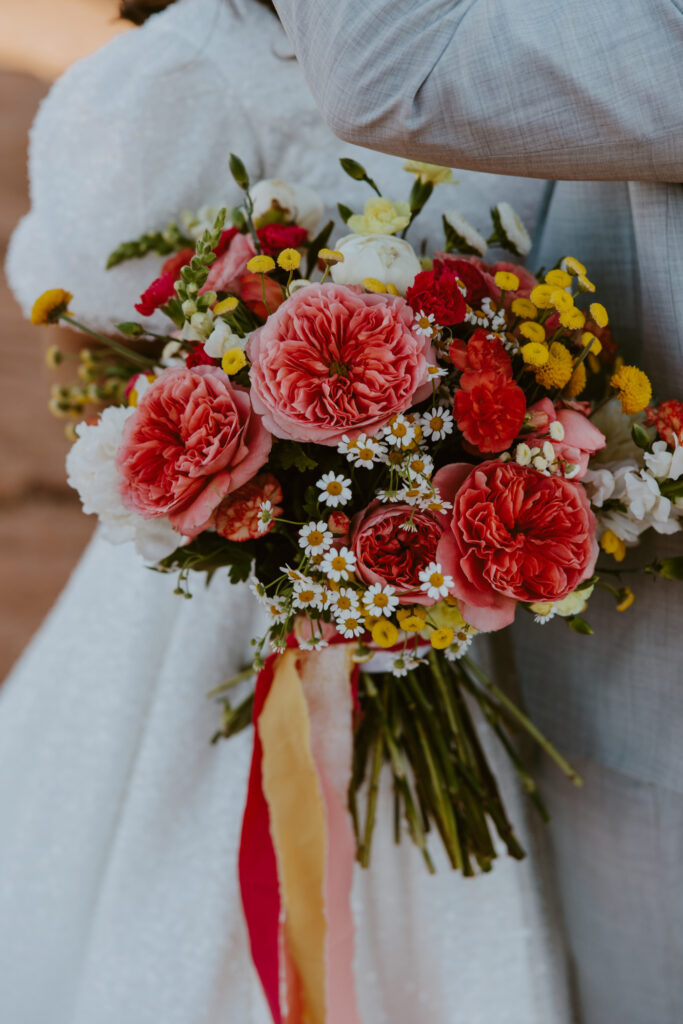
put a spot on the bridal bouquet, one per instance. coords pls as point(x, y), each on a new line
point(399, 454)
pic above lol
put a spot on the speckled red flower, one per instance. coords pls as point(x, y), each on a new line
point(238, 517)
point(667, 417)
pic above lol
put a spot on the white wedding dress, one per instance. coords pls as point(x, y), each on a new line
point(119, 821)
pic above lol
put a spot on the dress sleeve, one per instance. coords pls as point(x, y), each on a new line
point(124, 141)
point(590, 89)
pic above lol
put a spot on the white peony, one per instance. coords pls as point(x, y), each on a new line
point(91, 470)
point(388, 259)
point(299, 204)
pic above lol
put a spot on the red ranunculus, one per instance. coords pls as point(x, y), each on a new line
point(387, 552)
point(238, 516)
point(193, 439)
point(276, 237)
point(483, 353)
point(437, 292)
point(249, 287)
point(515, 535)
point(158, 294)
point(489, 411)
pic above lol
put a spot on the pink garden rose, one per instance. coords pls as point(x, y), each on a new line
point(334, 361)
point(581, 438)
point(387, 552)
point(193, 439)
point(515, 535)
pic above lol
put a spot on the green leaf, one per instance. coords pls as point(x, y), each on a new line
point(672, 488)
point(318, 243)
point(291, 455)
point(344, 212)
point(130, 329)
point(239, 172)
point(669, 568)
point(174, 311)
point(238, 219)
point(579, 625)
point(641, 437)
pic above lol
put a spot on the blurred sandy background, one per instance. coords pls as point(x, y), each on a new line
point(42, 530)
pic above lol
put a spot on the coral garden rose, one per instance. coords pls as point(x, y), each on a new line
point(387, 551)
point(581, 438)
point(238, 517)
point(437, 292)
point(515, 535)
point(333, 361)
point(193, 439)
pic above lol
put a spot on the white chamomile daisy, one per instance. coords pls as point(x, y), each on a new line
point(463, 641)
point(350, 625)
point(276, 610)
point(434, 372)
point(424, 324)
point(387, 495)
point(380, 600)
point(437, 423)
point(556, 430)
point(265, 515)
point(335, 489)
point(435, 503)
point(543, 612)
point(344, 601)
point(399, 666)
point(416, 494)
point(433, 581)
point(258, 589)
point(306, 594)
point(314, 643)
point(315, 538)
point(366, 451)
point(420, 467)
point(292, 574)
point(346, 445)
point(400, 432)
point(338, 565)
point(278, 644)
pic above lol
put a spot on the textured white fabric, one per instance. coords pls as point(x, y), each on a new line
point(118, 891)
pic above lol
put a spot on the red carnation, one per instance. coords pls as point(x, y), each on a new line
point(158, 294)
point(238, 516)
point(489, 411)
point(483, 353)
point(276, 237)
point(437, 292)
point(667, 417)
point(473, 273)
point(198, 357)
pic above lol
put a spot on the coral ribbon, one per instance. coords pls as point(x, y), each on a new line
point(297, 847)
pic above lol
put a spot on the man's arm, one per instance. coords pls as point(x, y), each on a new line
point(542, 88)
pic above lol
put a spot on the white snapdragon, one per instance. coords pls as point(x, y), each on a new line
point(221, 339)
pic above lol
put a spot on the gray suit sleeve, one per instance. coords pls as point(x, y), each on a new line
point(576, 89)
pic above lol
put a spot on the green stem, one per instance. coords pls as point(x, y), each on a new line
point(121, 350)
point(373, 792)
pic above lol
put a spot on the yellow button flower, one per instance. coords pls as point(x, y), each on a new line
point(261, 264)
point(558, 278)
point(588, 338)
point(412, 620)
point(541, 296)
point(429, 174)
point(633, 388)
point(331, 256)
point(628, 597)
point(532, 331)
point(233, 361)
point(507, 281)
point(385, 633)
point(577, 382)
point(573, 266)
point(392, 289)
point(558, 370)
point(442, 638)
point(228, 305)
point(561, 300)
point(535, 353)
point(573, 319)
point(381, 216)
point(525, 308)
point(599, 314)
point(372, 284)
point(49, 306)
point(584, 284)
point(613, 545)
point(289, 259)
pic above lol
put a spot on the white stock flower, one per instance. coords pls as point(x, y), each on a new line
point(663, 463)
point(91, 470)
point(468, 238)
point(513, 229)
point(383, 257)
point(298, 203)
point(646, 502)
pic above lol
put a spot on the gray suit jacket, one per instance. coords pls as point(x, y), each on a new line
point(589, 91)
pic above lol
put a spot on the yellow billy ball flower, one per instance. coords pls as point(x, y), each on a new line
point(506, 281)
point(541, 296)
point(412, 620)
point(429, 174)
point(392, 289)
point(49, 306)
point(289, 259)
point(613, 545)
point(380, 217)
point(331, 256)
point(233, 361)
point(261, 264)
point(525, 308)
point(577, 382)
point(558, 278)
point(228, 305)
point(372, 284)
point(534, 353)
point(573, 319)
point(561, 300)
point(588, 338)
point(572, 265)
point(442, 638)
point(633, 387)
point(599, 314)
point(532, 331)
point(384, 633)
point(628, 597)
point(584, 284)
point(558, 370)
point(593, 362)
